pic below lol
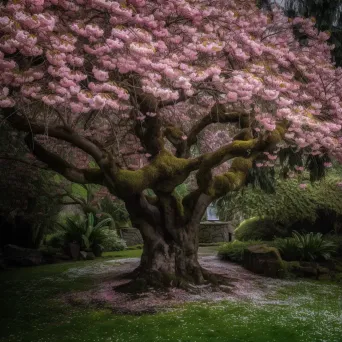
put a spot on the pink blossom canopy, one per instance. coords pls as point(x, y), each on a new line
point(65, 60)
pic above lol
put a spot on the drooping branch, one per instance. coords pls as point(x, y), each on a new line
point(58, 164)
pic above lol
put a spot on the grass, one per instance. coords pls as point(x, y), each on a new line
point(135, 253)
point(29, 312)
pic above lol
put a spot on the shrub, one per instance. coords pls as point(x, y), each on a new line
point(306, 247)
point(257, 228)
point(49, 251)
point(112, 242)
point(233, 251)
point(288, 249)
point(337, 240)
point(85, 232)
point(55, 240)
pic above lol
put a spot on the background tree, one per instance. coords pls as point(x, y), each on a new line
point(28, 202)
point(149, 90)
point(326, 13)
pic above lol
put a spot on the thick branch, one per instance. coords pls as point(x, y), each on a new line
point(56, 163)
point(163, 174)
point(218, 114)
point(59, 132)
point(150, 134)
point(23, 161)
point(244, 153)
point(232, 180)
point(238, 148)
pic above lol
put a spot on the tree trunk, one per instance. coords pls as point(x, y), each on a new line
point(170, 259)
point(170, 247)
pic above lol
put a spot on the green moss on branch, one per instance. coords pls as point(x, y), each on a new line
point(164, 173)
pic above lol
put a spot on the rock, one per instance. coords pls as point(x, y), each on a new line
point(323, 270)
point(73, 249)
point(50, 254)
point(97, 250)
point(308, 270)
point(62, 257)
point(305, 271)
point(265, 260)
point(19, 256)
point(83, 255)
point(90, 256)
point(225, 288)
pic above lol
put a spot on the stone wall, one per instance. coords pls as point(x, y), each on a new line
point(210, 232)
point(216, 231)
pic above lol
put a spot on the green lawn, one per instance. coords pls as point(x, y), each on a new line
point(29, 312)
point(135, 253)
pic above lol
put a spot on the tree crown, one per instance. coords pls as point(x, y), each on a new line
point(135, 84)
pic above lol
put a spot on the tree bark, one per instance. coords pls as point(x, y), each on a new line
point(170, 249)
point(170, 258)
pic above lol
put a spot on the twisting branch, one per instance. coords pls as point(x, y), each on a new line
point(243, 152)
point(150, 134)
point(232, 180)
point(58, 132)
point(218, 114)
point(58, 164)
point(23, 161)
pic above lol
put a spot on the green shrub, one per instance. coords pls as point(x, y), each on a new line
point(233, 251)
point(55, 240)
point(112, 242)
point(306, 247)
point(85, 232)
point(257, 228)
point(48, 250)
point(337, 240)
point(288, 249)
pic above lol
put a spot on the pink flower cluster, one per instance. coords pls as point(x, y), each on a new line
point(96, 55)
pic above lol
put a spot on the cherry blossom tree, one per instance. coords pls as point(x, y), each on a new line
point(154, 92)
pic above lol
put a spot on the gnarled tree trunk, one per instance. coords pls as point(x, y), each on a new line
point(169, 259)
point(170, 245)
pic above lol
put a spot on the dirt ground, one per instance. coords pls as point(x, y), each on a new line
point(108, 274)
